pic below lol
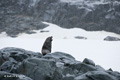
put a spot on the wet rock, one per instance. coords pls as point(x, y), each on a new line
point(110, 38)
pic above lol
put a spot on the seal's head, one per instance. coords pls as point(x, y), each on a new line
point(49, 38)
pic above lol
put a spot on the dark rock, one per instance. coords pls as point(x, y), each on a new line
point(18, 54)
point(110, 69)
point(59, 56)
point(51, 64)
point(91, 18)
point(110, 38)
point(30, 32)
point(36, 68)
point(114, 73)
point(95, 75)
point(88, 61)
point(99, 68)
point(80, 37)
point(7, 66)
point(21, 16)
point(22, 64)
point(57, 75)
point(42, 31)
point(86, 67)
point(13, 57)
point(1, 59)
point(76, 66)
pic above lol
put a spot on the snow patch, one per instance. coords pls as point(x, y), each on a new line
point(62, 33)
point(3, 35)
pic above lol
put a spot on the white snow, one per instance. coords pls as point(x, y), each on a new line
point(62, 33)
point(3, 35)
point(104, 53)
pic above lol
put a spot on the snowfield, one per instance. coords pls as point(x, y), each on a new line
point(104, 53)
point(62, 33)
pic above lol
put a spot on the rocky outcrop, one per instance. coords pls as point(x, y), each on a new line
point(20, 64)
point(110, 38)
point(15, 18)
point(19, 16)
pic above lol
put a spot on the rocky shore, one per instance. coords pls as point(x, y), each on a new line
point(20, 64)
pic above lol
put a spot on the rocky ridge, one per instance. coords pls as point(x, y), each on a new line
point(18, 16)
point(20, 64)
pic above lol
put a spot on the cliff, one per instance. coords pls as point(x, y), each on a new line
point(18, 16)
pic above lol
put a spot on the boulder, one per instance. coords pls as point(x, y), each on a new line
point(30, 32)
point(36, 68)
point(18, 54)
point(59, 56)
point(80, 37)
point(43, 31)
point(85, 68)
point(96, 75)
point(110, 38)
point(99, 68)
point(7, 66)
point(14, 57)
point(88, 61)
point(21, 64)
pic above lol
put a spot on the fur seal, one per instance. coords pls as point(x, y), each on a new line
point(46, 48)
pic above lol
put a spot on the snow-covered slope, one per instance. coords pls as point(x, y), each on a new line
point(104, 53)
point(62, 33)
